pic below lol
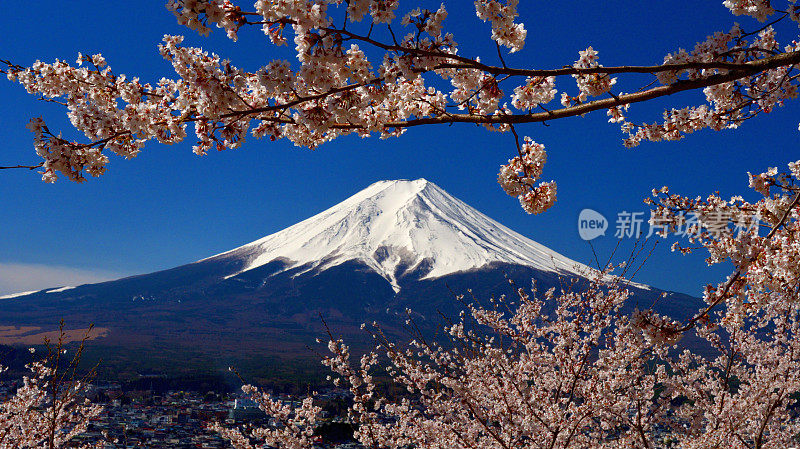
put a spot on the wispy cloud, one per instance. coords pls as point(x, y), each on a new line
point(19, 277)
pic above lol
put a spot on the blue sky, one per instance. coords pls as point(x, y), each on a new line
point(168, 207)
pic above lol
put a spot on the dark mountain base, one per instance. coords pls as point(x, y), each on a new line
point(190, 320)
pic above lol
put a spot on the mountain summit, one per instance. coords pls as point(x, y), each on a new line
point(398, 227)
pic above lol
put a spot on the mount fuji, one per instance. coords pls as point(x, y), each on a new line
point(392, 246)
point(396, 228)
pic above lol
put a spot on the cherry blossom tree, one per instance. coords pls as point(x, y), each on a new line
point(546, 369)
point(49, 409)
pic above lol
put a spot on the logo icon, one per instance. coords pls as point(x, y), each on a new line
point(591, 224)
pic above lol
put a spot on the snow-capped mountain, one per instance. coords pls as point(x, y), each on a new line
point(396, 245)
point(395, 227)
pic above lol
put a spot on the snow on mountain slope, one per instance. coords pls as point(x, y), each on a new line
point(17, 295)
point(393, 227)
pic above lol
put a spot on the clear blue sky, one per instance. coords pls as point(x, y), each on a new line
point(168, 207)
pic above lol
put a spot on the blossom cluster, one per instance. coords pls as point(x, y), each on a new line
point(502, 15)
point(760, 9)
point(295, 430)
point(519, 175)
point(536, 90)
point(196, 14)
point(34, 418)
point(589, 85)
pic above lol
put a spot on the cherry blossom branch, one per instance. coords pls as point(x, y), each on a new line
point(336, 92)
point(470, 63)
point(601, 70)
point(29, 167)
point(745, 70)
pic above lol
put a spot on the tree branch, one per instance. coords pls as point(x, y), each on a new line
point(29, 167)
point(747, 69)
